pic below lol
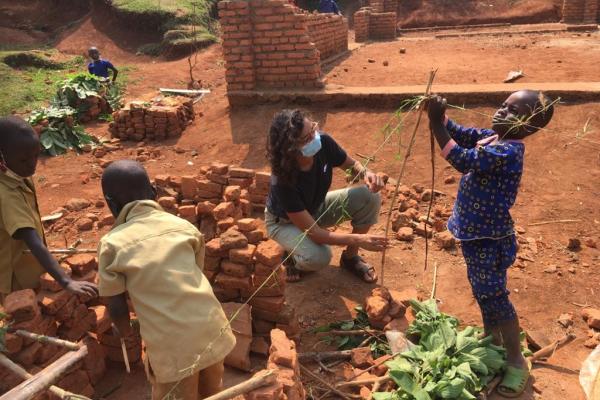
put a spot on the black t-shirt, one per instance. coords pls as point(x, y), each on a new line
point(311, 186)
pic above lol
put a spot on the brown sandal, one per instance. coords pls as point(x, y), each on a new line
point(359, 267)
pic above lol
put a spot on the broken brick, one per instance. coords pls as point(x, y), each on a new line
point(269, 253)
point(376, 307)
point(239, 357)
point(445, 240)
point(235, 269)
point(246, 207)
point(223, 225)
point(361, 357)
point(232, 193)
point(188, 213)
point(283, 350)
point(243, 255)
point(247, 224)
point(213, 248)
point(400, 220)
point(168, 202)
point(399, 324)
point(254, 236)
point(26, 357)
point(592, 316)
point(208, 227)
point(22, 305)
point(403, 296)
point(204, 207)
point(81, 264)
point(189, 187)
point(405, 234)
point(103, 321)
point(12, 343)
point(223, 210)
point(233, 239)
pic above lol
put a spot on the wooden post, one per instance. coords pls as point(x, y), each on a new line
point(47, 340)
point(251, 384)
point(45, 378)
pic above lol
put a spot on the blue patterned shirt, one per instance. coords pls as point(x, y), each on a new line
point(492, 170)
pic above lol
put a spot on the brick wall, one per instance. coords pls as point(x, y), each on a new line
point(374, 25)
point(272, 44)
point(390, 6)
point(329, 33)
point(580, 11)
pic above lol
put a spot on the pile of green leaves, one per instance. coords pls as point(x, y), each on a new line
point(361, 321)
point(60, 132)
point(446, 363)
point(77, 88)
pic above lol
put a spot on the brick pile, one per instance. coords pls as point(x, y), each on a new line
point(283, 359)
point(329, 32)
point(158, 120)
point(94, 106)
point(57, 313)
point(390, 309)
point(580, 11)
point(369, 24)
point(272, 44)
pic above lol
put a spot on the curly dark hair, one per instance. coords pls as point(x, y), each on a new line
point(283, 144)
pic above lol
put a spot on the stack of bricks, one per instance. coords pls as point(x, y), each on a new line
point(272, 44)
point(93, 106)
point(57, 313)
point(390, 6)
point(580, 11)
point(329, 32)
point(369, 24)
point(283, 359)
point(159, 120)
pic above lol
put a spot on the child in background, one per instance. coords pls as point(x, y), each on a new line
point(492, 163)
point(20, 223)
point(100, 67)
point(157, 258)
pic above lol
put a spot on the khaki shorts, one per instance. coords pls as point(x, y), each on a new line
point(356, 204)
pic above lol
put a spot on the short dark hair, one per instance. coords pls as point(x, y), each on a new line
point(14, 129)
point(543, 109)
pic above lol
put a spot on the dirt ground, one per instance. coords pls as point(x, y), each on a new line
point(561, 179)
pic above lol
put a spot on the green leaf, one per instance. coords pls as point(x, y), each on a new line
point(346, 326)
point(407, 384)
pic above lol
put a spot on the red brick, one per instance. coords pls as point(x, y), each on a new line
point(79, 313)
point(254, 236)
point(208, 186)
point(262, 270)
point(243, 255)
point(286, 316)
point(225, 295)
point(81, 264)
point(239, 357)
point(167, 202)
point(262, 326)
point(22, 305)
point(233, 239)
point(94, 363)
point(232, 193)
point(242, 324)
point(232, 282)
point(188, 213)
point(189, 187)
point(47, 282)
point(283, 350)
point(234, 269)
point(214, 249)
point(362, 357)
point(67, 310)
point(244, 183)
point(403, 296)
point(269, 253)
point(260, 346)
point(273, 304)
point(247, 224)
point(592, 316)
point(12, 343)
point(270, 392)
point(376, 307)
point(103, 321)
point(212, 263)
point(26, 357)
point(223, 210)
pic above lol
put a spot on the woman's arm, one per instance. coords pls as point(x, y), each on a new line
point(305, 222)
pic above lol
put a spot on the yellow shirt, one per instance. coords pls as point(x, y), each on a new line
point(158, 259)
point(18, 209)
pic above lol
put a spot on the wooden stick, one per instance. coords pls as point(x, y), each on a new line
point(401, 173)
point(45, 378)
point(18, 370)
point(69, 251)
point(251, 384)
point(430, 206)
point(47, 339)
point(325, 355)
point(380, 379)
point(316, 377)
point(433, 287)
point(357, 332)
point(548, 351)
point(558, 221)
point(125, 356)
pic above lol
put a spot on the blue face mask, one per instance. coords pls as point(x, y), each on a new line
point(311, 148)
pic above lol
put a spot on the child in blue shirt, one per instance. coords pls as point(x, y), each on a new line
point(100, 67)
point(491, 161)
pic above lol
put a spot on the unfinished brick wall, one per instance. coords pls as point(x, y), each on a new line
point(580, 11)
point(374, 25)
point(270, 44)
point(329, 32)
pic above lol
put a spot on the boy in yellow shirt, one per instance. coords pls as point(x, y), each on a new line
point(157, 259)
point(20, 223)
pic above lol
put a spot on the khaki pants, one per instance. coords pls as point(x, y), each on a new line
point(356, 204)
point(202, 384)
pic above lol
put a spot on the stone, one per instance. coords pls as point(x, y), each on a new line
point(574, 244)
point(445, 240)
point(376, 307)
point(551, 269)
point(370, 60)
point(422, 229)
point(232, 193)
point(400, 220)
point(233, 239)
point(234, 269)
point(566, 320)
point(536, 339)
point(592, 316)
point(283, 350)
point(247, 224)
point(82, 264)
point(405, 234)
point(269, 253)
point(77, 204)
point(223, 210)
point(361, 357)
point(21, 305)
point(243, 255)
point(84, 224)
point(402, 50)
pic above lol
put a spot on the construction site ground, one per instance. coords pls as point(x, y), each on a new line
point(561, 178)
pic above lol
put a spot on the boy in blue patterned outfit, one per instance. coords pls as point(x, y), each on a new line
point(492, 163)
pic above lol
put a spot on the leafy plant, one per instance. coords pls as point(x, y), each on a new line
point(446, 363)
point(3, 330)
point(59, 132)
point(74, 91)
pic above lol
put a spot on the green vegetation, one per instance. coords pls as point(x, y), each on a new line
point(59, 131)
point(30, 86)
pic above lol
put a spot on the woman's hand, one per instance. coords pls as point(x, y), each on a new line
point(373, 242)
point(436, 109)
point(373, 181)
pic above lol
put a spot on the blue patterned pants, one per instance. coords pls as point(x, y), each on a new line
point(487, 263)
